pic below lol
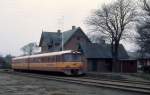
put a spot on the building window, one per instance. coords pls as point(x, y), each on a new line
point(78, 38)
point(49, 46)
point(56, 44)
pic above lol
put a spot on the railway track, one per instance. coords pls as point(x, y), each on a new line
point(121, 80)
point(126, 86)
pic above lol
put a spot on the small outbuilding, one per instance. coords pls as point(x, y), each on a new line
point(99, 58)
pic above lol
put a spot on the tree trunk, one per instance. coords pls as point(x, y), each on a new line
point(116, 65)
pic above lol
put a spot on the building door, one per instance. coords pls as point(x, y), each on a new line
point(108, 65)
point(94, 65)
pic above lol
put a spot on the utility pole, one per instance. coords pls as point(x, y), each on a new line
point(61, 26)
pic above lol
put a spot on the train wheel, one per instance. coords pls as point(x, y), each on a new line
point(67, 72)
point(74, 72)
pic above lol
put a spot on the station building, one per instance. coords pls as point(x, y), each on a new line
point(97, 55)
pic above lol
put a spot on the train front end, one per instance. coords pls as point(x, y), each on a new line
point(73, 64)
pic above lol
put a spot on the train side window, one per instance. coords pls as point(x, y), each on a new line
point(34, 60)
point(58, 58)
point(38, 60)
point(42, 60)
point(19, 61)
point(45, 59)
point(31, 60)
point(14, 61)
point(25, 60)
point(52, 59)
point(49, 59)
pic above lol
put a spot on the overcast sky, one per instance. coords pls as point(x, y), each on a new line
point(22, 21)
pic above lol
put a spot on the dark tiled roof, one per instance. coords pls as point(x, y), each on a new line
point(51, 37)
point(133, 55)
point(137, 55)
point(68, 34)
point(122, 52)
point(55, 37)
point(93, 50)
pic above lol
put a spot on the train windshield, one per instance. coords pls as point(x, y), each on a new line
point(72, 57)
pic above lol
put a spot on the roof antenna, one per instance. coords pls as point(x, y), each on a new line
point(61, 26)
point(43, 28)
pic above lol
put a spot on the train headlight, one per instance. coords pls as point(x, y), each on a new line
point(67, 66)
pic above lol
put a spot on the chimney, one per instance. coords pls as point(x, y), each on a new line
point(73, 27)
point(58, 31)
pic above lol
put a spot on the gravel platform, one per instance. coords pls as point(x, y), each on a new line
point(19, 85)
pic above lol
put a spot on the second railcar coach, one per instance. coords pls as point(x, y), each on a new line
point(69, 62)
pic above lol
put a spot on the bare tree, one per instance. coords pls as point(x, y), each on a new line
point(95, 38)
point(146, 6)
point(8, 60)
point(143, 40)
point(113, 21)
point(30, 48)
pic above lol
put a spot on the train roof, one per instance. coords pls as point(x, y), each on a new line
point(45, 54)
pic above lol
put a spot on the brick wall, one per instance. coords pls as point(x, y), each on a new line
point(75, 40)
